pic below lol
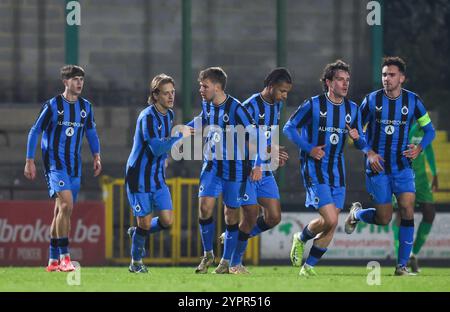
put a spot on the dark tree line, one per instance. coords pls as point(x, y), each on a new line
point(419, 31)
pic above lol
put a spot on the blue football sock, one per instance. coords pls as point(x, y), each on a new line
point(314, 255)
point(63, 245)
point(239, 251)
point(207, 229)
point(54, 249)
point(306, 234)
point(255, 231)
point(366, 215)
point(406, 241)
point(137, 245)
point(231, 237)
point(156, 226)
point(260, 226)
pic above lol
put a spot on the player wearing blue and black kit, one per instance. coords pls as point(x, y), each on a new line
point(225, 168)
point(64, 120)
point(145, 172)
point(324, 122)
point(264, 107)
point(389, 113)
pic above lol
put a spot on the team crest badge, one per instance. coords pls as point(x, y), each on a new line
point(137, 208)
point(348, 118)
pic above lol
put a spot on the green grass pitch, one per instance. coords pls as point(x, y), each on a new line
point(182, 279)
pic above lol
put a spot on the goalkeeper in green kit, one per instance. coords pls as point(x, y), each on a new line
point(424, 196)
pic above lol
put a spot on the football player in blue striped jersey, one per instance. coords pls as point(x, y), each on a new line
point(389, 114)
point(265, 108)
point(223, 171)
point(320, 128)
point(64, 120)
point(147, 191)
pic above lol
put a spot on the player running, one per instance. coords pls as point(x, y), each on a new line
point(389, 114)
point(324, 122)
point(147, 191)
point(265, 108)
point(64, 119)
point(424, 196)
point(221, 172)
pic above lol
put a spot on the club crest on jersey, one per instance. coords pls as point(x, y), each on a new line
point(61, 183)
point(83, 113)
point(61, 112)
point(137, 208)
point(69, 131)
point(324, 115)
point(405, 110)
point(225, 118)
point(348, 118)
point(334, 139)
point(389, 129)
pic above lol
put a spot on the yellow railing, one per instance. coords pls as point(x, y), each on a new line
point(181, 245)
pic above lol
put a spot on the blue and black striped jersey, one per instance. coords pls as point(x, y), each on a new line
point(64, 124)
point(388, 122)
point(322, 122)
point(145, 170)
point(231, 112)
point(264, 114)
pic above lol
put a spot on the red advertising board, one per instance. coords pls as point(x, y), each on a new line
point(25, 232)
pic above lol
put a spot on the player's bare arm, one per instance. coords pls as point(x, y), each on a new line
point(97, 165)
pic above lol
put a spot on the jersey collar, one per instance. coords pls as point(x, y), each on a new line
point(334, 103)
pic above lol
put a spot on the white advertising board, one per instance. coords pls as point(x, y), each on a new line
point(367, 242)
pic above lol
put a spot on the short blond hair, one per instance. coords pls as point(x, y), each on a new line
point(156, 83)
